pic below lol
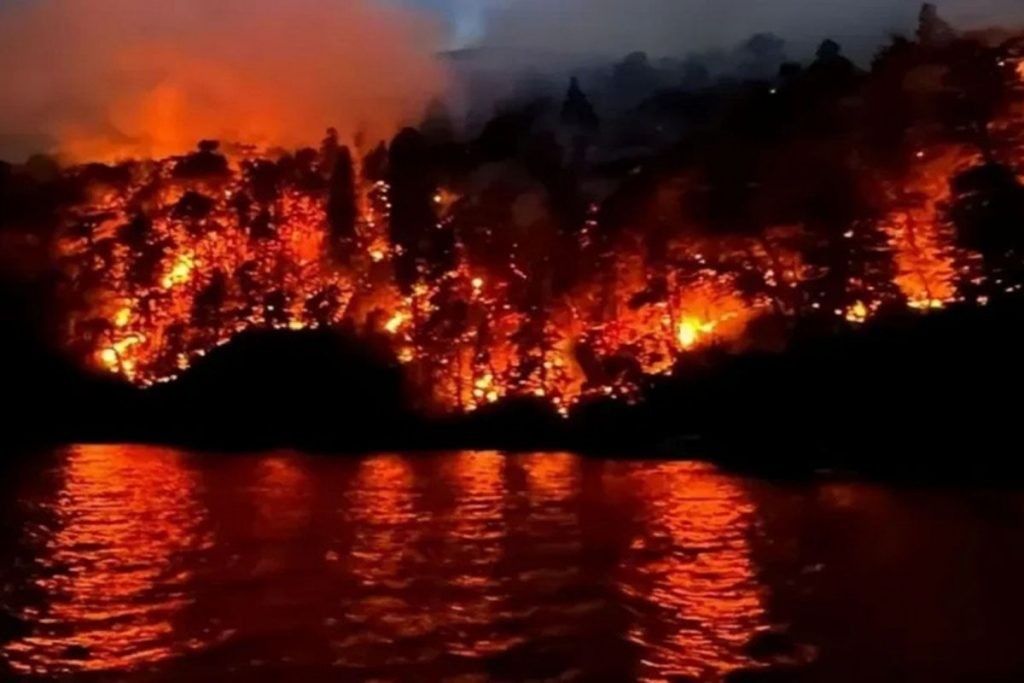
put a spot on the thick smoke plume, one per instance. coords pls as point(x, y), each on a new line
point(105, 79)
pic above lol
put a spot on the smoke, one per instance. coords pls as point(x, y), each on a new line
point(676, 27)
point(105, 79)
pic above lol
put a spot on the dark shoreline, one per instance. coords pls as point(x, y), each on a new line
point(910, 395)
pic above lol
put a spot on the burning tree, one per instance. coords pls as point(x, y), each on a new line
point(506, 266)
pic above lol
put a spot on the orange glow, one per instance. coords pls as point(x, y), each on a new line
point(215, 279)
point(180, 272)
point(161, 293)
point(921, 239)
point(702, 576)
point(475, 542)
point(125, 514)
point(123, 317)
point(382, 507)
point(281, 494)
point(551, 476)
point(109, 358)
point(690, 331)
point(174, 74)
point(395, 323)
point(857, 313)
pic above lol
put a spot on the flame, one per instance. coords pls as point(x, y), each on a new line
point(858, 312)
point(180, 272)
point(218, 277)
point(165, 291)
point(690, 331)
point(395, 323)
point(921, 238)
point(109, 358)
point(123, 317)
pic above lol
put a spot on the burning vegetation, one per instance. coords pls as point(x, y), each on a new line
point(561, 254)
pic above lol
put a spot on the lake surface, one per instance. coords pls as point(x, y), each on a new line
point(137, 563)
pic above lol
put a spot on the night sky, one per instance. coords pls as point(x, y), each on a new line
point(672, 26)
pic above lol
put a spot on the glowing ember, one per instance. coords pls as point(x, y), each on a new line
point(395, 323)
point(123, 317)
point(857, 313)
point(109, 358)
point(921, 239)
point(180, 272)
point(691, 331)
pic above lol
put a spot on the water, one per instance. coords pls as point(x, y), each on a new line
point(137, 563)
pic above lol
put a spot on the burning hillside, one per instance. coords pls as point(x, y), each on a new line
point(166, 264)
point(491, 270)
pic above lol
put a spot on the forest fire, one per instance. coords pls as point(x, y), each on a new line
point(159, 289)
point(520, 282)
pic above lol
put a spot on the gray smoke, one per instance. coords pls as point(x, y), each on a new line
point(677, 27)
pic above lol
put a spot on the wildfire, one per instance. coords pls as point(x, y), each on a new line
point(921, 239)
point(173, 266)
point(690, 332)
point(122, 317)
point(858, 312)
point(395, 323)
point(180, 272)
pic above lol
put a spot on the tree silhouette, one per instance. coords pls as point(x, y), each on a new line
point(978, 90)
point(342, 212)
point(632, 80)
point(375, 164)
point(206, 163)
point(761, 55)
point(437, 126)
point(577, 111)
point(932, 30)
point(414, 230)
point(988, 211)
point(210, 300)
point(329, 150)
point(579, 117)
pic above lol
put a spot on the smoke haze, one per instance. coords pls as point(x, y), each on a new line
point(110, 78)
point(674, 27)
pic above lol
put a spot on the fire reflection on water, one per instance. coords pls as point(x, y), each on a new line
point(473, 545)
point(111, 567)
point(692, 569)
point(470, 564)
point(381, 505)
point(281, 496)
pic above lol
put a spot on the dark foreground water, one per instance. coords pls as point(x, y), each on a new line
point(136, 563)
